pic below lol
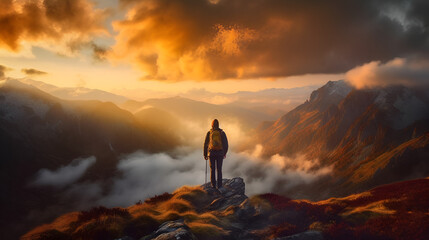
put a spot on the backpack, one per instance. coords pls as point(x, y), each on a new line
point(215, 140)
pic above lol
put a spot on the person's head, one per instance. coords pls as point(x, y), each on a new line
point(215, 124)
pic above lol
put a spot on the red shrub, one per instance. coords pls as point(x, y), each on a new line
point(96, 212)
point(278, 202)
point(159, 198)
point(414, 194)
point(282, 230)
point(399, 226)
point(339, 230)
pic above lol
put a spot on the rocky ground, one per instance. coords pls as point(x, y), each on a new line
point(396, 211)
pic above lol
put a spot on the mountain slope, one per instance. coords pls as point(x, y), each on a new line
point(39, 131)
point(274, 102)
point(350, 130)
point(200, 112)
point(395, 211)
point(75, 93)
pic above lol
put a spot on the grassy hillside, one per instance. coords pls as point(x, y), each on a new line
point(395, 211)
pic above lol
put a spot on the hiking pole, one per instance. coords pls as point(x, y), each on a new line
point(206, 172)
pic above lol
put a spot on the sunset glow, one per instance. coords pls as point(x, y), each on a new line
point(214, 119)
point(115, 45)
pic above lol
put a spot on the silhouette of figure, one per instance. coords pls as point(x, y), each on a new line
point(215, 149)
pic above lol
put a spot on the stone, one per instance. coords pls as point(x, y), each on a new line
point(230, 187)
point(223, 203)
point(172, 230)
point(231, 195)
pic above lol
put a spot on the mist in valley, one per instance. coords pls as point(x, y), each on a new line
point(140, 175)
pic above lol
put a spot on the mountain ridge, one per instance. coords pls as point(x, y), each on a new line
point(39, 131)
point(201, 212)
point(350, 127)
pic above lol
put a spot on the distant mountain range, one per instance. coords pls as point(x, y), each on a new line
point(273, 102)
point(200, 113)
point(75, 93)
point(38, 130)
point(369, 136)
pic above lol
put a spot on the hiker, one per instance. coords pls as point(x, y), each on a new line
point(215, 149)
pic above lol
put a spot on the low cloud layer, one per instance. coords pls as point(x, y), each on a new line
point(399, 71)
point(212, 40)
point(64, 175)
point(55, 21)
point(144, 175)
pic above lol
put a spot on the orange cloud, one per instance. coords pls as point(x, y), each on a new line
point(399, 71)
point(39, 20)
point(213, 40)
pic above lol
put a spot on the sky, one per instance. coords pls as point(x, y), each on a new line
point(219, 45)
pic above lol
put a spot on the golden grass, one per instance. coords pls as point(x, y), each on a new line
point(318, 226)
point(204, 217)
point(175, 204)
point(352, 197)
point(188, 190)
point(228, 211)
point(112, 226)
point(374, 207)
point(368, 169)
point(195, 195)
point(144, 209)
point(207, 231)
point(61, 224)
point(260, 204)
point(145, 218)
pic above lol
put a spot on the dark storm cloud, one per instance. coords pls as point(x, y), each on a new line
point(23, 20)
point(32, 71)
point(203, 40)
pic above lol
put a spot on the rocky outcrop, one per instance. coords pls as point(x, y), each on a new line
point(172, 230)
point(230, 197)
point(244, 218)
point(231, 194)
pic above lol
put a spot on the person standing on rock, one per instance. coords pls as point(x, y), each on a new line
point(215, 149)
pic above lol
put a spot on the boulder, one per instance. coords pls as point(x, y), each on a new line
point(231, 194)
point(172, 230)
point(223, 203)
point(230, 187)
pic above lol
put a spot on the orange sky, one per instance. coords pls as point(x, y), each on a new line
point(223, 46)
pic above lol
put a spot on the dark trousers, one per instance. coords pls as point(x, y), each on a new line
point(216, 164)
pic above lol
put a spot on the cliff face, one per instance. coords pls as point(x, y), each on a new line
point(361, 133)
point(395, 211)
